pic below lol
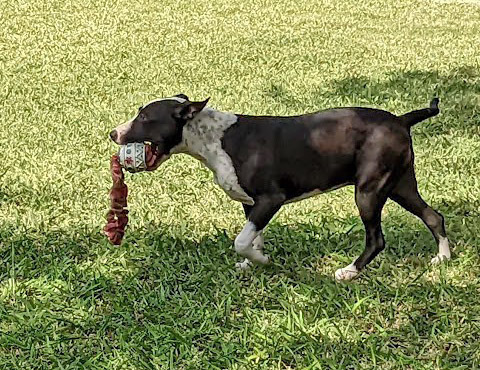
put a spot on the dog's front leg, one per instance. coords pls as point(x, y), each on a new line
point(258, 244)
point(258, 217)
point(244, 245)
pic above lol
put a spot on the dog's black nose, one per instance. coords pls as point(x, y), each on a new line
point(114, 135)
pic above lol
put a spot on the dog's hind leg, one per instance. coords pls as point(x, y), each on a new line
point(370, 205)
point(370, 197)
point(406, 194)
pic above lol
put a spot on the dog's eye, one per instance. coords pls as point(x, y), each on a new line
point(142, 117)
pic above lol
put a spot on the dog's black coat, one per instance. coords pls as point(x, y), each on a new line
point(278, 159)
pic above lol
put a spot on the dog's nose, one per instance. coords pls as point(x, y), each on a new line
point(114, 135)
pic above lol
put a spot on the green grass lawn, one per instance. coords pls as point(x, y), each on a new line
point(169, 296)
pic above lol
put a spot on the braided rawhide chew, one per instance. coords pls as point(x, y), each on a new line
point(117, 216)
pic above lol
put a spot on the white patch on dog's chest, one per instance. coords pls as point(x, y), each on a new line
point(202, 139)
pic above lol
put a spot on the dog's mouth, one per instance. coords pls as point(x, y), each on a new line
point(154, 155)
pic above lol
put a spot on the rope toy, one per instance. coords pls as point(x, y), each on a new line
point(117, 216)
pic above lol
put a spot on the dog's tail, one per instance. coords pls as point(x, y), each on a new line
point(413, 117)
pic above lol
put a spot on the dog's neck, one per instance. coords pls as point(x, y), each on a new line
point(201, 136)
point(202, 139)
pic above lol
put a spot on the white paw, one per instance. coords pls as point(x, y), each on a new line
point(439, 258)
point(264, 260)
point(254, 255)
point(245, 265)
point(258, 243)
point(347, 273)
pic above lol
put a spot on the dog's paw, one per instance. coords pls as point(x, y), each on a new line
point(439, 258)
point(258, 242)
point(263, 260)
point(245, 265)
point(347, 273)
point(255, 256)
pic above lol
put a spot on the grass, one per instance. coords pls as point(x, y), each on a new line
point(169, 296)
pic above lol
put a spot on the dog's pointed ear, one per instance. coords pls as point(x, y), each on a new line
point(190, 109)
point(182, 96)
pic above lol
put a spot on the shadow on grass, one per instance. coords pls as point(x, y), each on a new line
point(414, 325)
point(159, 296)
point(38, 250)
point(164, 299)
point(459, 92)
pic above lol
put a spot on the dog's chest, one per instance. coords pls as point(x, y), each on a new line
point(202, 139)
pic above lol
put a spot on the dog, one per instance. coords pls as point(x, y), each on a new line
point(265, 162)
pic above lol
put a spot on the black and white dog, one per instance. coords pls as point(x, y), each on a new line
point(266, 161)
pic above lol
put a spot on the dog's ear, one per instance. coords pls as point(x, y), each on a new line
point(183, 96)
point(190, 109)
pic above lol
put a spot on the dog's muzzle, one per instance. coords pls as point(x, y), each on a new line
point(114, 135)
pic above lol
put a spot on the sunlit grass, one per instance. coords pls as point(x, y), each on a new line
point(169, 296)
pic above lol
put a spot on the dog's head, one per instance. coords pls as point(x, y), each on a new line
point(160, 123)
